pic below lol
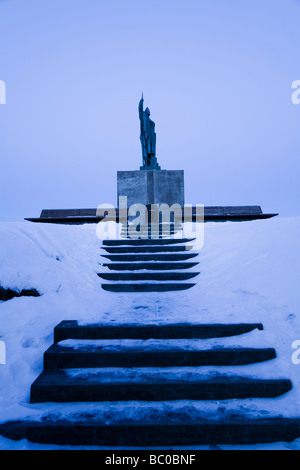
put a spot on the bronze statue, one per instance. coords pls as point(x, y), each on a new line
point(148, 138)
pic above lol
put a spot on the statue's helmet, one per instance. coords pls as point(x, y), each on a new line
point(147, 111)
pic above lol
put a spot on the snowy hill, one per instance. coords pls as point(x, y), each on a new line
point(249, 273)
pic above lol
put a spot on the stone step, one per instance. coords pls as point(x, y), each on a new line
point(152, 228)
point(129, 241)
point(59, 386)
point(148, 236)
point(147, 249)
point(93, 431)
point(149, 233)
point(151, 257)
point(155, 266)
point(148, 276)
point(64, 357)
point(147, 287)
point(165, 231)
point(70, 329)
point(153, 224)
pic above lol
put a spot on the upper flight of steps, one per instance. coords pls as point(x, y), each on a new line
point(152, 263)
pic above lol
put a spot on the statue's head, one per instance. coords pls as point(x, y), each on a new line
point(147, 111)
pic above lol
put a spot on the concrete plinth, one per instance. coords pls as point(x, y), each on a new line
point(151, 187)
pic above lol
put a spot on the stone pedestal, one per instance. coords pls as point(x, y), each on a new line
point(151, 187)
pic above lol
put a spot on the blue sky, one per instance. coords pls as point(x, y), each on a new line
point(216, 75)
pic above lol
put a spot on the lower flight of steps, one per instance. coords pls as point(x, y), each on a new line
point(94, 364)
point(148, 265)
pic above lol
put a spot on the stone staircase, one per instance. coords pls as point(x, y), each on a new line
point(150, 264)
point(140, 366)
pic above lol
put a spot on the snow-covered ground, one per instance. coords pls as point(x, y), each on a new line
point(250, 272)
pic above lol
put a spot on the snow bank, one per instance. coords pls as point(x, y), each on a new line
point(249, 273)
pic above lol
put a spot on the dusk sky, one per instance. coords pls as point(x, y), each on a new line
point(216, 74)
